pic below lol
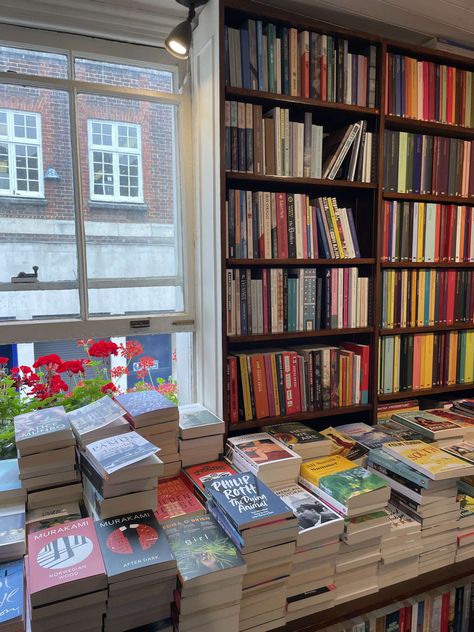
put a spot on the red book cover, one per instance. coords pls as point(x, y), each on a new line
point(233, 390)
point(437, 232)
point(267, 361)
point(402, 620)
point(449, 92)
point(259, 386)
point(64, 561)
point(345, 296)
point(290, 376)
point(444, 612)
point(304, 223)
point(471, 170)
point(426, 99)
point(282, 227)
point(451, 287)
point(343, 385)
point(176, 499)
point(200, 474)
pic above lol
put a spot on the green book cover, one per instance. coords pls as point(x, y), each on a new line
point(350, 483)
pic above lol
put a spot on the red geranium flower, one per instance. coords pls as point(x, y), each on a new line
point(130, 349)
point(4, 360)
point(109, 388)
point(49, 361)
point(72, 366)
point(147, 362)
point(118, 371)
point(103, 349)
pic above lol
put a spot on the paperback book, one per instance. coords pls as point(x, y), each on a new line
point(45, 517)
point(12, 595)
point(365, 435)
point(199, 475)
point(300, 438)
point(316, 469)
point(435, 463)
point(429, 425)
point(175, 499)
point(41, 426)
point(142, 407)
point(11, 490)
point(94, 416)
point(115, 453)
point(196, 421)
point(345, 446)
point(12, 532)
point(462, 449)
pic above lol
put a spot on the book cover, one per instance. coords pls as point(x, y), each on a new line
point(9, 476)
point(115, 453)
point(39, 519)
point(467, 506)
point(176, 499)
point(314, 470)
point(433, 461)
point(365, 435)
point(48, 422)
point(345, 485)
point(133, 542)
point(344, 446)
point(392, 466)
point(246, 501)
point(95, 415)
point(294, 434)
point(12, 525)
point(427, 423)
point(62, 555)
point(196, 417)
point(201, 547)
point(462, 449)
point(311, 512)
point(11, 596)
point(204, 472)
point(261, 448)
point(141, 403)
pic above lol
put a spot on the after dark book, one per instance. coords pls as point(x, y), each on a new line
point(133, 545)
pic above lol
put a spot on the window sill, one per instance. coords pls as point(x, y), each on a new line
point(23, 200)
point(119, 206)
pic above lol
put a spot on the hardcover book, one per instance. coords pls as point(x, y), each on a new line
point(11, 490)
point(196, 421)
point(115, 453)
point(246, 501)
point(203, 551)
point(12, 595)
point(41, 426)
point(133, 545)
point(428, 459)
point(95, 415)
point(176, 499)
point(299, 437)
point(63, 562)
point(143, 406)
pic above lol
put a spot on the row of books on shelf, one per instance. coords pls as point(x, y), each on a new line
point(283, 60)
point(278, 383)
point(422, 361)
point(423, 298)
point(419, 231)
point(270, 225)
point(428, 91)
point(418, 163)
point(269, 143)
point(277, 300)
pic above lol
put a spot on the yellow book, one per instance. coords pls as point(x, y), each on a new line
point(404, 319)
point(312, 471)
point(428, 459)
point(421, 232)
point(423, 345)
point(336, 228)
point(421, 298)
point(276, 396)
point(396, 364)
point(469, 372)
point(453, 353)
point(402, 162)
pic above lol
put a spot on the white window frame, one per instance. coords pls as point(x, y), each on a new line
point(11, 141)
point(116, 152)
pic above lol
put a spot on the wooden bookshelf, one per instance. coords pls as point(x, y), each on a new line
point(428, 127)
point(418, 330)
point(435, 390)
point(300, 335)
point(427, 264)
point(274, 263)
point(302, 183)
point(428, 197)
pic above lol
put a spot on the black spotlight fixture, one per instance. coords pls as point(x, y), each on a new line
point(178, 42)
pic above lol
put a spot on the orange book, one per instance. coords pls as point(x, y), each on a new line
point(259, 382)
point(453, 348)
point(416, 361)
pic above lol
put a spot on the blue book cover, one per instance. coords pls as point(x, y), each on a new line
point(285, 74)
point(394, 465)
point(11, 577)
point(261, 83)
point(421, 615)
point(244, 49)
point(292, 283)
point(224, 523)
point(322, 235)
point(9, 475)
point(246, 501)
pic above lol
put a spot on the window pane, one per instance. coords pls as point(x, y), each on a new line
point(38, 231)
point(123, 75)
point(133, 250)
point(30, 62)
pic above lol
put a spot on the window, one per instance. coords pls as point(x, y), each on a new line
point(21, 171)
point(115, 161)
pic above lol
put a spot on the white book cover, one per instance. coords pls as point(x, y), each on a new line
point(115, 453)
point(95, 415)
point(48, 424)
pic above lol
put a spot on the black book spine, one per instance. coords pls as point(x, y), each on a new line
point(281, 383)
point(290, 200)
point(285, 299)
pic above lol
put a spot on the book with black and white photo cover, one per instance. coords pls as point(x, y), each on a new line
point(12, 600)
point(133, 545)
point(11, 490)
point(98, 420)
point(63, 562)
point(43, 429)
point(204, 553)
point(144, 408)
point(197, 421)
point(316, 520)
point(12, 532)
point(302, 439)
point(116, 453)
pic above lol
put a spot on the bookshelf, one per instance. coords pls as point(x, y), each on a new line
point(366, 199)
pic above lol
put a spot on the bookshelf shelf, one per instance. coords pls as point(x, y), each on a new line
point(420, 330)
point(271, 98)
point(249, 178)
point(258, 263)
point(306, 416)
point(428, 197)
point(427, 264)
point(436, 390)
point(297, 335)
point(403, 123)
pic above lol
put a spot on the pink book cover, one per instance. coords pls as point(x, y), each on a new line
point(63, 554)
point(346, 297)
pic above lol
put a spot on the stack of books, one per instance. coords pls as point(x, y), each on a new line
point(465, 538)
point(120, 475)
point(361, 497)
point(175, 499)
point(46, 457)
point(303, 440)
point(12, 596)
point(429, 498)
point(196, 476)
point(66, 580)
point(260, 453)
point(201, 435)
point(441, 426)
point(141, 570)
point(400, 549)
point(99, 419)
point(264, 529)
point(210, 573)
point(45, 517)
point(12, 512)
point(345, 446)
point(155, 418)
point(311, 585)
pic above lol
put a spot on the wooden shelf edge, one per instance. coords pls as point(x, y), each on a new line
point(427, 264)
point(429, 197)
point(413, 330)
point(299, 262)
point(411, 124)
point(241, 176)
point(295, 335)
point(306, 416)
point(387, 397)
point(385, 597)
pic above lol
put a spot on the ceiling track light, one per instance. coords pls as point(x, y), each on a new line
point(178, 43)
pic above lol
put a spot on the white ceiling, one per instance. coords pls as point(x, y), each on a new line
point(149, 21)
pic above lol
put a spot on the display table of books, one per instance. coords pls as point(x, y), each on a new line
point(266, 532)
